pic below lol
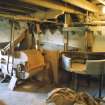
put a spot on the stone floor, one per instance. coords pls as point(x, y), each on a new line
point(29, 93)
point(35, 92)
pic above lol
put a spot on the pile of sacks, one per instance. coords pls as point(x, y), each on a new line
point(66, 96)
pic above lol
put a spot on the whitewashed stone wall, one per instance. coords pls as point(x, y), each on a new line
point(55, 41)
point(99, 43)
point(5, 30)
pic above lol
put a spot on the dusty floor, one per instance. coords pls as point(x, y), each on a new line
point(35, 92)
point(29, 93)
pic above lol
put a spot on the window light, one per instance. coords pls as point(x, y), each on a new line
point(103, 10)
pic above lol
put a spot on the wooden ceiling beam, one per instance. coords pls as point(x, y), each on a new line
point(20, 6)
point(101, 1)
point(47, 15)
point(16, 7)
point(19, 17)
point(52, 5)
point(84, 4)
point(13, 10)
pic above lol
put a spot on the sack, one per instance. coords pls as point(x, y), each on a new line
point(66, 96)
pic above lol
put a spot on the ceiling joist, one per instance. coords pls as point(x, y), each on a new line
point(20, 18)
point(52, 5)
point(12, 10)
point(18, 8)
point(84, 4)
